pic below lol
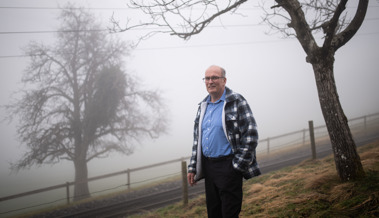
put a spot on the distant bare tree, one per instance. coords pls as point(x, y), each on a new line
point(301, 19)
point(78, 103)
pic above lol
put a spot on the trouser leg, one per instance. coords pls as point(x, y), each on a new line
point(213, 199)
point(223, 187)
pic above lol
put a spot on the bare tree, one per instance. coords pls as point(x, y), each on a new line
point(78, 103)
point(326, 18)
point(301, 19)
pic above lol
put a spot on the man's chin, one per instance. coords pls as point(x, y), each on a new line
point(211, 89)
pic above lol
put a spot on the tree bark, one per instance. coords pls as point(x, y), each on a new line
point(81, 190)
point(346, 158)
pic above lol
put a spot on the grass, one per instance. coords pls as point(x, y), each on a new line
point(310, 189)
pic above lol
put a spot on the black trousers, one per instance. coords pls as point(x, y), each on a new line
point(223, 188)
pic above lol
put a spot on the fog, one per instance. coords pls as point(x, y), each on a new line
point(269, 71)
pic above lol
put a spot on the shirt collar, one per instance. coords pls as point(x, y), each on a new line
point(221, 99)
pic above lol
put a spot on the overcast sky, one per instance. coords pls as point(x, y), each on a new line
point(269, 71)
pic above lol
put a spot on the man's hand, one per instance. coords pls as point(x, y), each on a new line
point(191, 179)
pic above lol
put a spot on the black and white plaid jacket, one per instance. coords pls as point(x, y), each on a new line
point(240, 129)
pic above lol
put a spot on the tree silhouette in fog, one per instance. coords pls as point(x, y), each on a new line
point(78, 103)
point(306, 20)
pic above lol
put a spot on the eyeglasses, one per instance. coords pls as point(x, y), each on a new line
point(213, 78)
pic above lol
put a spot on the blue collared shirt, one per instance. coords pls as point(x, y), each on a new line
point(213, 140)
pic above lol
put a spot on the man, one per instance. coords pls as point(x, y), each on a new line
point(225, 138)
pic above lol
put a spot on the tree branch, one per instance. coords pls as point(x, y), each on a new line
point(300, 25)
point(158, 13)
point(330, 26)
point(342, 38)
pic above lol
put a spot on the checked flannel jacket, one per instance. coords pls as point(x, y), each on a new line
point(240, 129)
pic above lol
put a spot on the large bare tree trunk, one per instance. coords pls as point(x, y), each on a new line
point(346, 158)
point(81, 190)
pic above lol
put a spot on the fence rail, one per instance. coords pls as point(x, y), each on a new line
point(358, 126)
point(67, 184)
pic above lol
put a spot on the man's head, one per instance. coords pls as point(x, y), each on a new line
point(215, 81)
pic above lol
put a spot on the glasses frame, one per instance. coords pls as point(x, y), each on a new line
point(213, 78)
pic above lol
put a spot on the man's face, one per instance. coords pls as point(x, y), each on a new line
point(215, 87)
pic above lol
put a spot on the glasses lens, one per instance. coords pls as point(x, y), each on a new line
point(213, 78)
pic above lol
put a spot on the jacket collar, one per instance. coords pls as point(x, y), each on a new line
point(229, 96)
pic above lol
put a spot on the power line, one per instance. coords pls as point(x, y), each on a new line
point(136, 29)
point(123, 8)
point(50, 31)
point(90, 8)
point(196, 46)
point(175, 47)
point(56, 8)
point(100, 30)
point(214, 45)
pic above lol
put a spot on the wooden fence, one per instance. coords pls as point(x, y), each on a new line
point(361, 126)
point(358, 126)
point(68, 184)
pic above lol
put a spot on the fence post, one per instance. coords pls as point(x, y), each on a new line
point(184, 183)
point(68, 192)
point(312, 137)
point(128, 178)
point(268, 145)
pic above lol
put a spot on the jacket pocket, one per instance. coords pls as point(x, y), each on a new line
point(231, 120)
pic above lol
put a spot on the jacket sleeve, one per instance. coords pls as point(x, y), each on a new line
point(245, 157)
point(192, 164)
